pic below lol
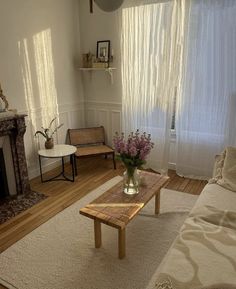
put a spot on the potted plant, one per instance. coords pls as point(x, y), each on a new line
point(133, 153)
point(48, 133)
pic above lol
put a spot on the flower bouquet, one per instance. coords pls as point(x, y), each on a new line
point(133, 153)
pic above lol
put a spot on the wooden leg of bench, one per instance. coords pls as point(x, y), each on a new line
point(114, 161)
point(121, 243)
point(157, 202)
point(97, 233)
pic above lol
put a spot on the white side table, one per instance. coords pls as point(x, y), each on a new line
point(59, 151)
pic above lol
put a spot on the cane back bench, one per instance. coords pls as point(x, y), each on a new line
point(90, 142)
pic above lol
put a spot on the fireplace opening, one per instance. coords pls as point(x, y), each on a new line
point(4, 190)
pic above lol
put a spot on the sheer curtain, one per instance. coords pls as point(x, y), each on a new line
point(206, 102)
point(151, 53)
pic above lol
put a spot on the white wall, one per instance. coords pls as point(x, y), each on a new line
point(102, 98)
point(20, 23)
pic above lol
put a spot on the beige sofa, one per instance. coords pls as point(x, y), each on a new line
point(204, 253)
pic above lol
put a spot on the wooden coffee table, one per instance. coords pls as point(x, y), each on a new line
point(116, 209)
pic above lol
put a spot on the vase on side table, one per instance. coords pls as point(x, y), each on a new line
point(131, 180)
point(49, 144)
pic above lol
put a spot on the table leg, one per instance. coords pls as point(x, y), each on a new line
point(121, 246)
point(75, 164)
point(157, 202)
point(72, 166)
point(97, 233)
point(63, 165)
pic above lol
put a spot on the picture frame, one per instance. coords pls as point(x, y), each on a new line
point(103, 50)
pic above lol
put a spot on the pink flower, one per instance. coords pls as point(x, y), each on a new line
point(132, 151)
point(135, 149)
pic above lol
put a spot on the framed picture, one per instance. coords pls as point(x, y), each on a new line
point(103, 50)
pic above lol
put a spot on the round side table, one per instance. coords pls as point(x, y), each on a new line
point(59, 151)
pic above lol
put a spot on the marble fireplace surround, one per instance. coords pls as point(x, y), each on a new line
point(12, 130)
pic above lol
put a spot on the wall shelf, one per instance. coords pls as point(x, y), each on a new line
point(107, 69)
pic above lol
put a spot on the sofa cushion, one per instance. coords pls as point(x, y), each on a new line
point(218, 197)
point(228, 179)
point(218, 166)
point(203, 250)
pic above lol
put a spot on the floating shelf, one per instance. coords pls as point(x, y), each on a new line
point(106, 69)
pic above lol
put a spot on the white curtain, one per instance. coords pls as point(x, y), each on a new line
point(206, 102)
point(151, 53)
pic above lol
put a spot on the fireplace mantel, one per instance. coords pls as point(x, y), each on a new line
point(14, 126)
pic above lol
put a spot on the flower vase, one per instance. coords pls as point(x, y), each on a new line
point(49, 143)
point(131, 180)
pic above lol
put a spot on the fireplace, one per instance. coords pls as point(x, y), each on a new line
point(13, 168)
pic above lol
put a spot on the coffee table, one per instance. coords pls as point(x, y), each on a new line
point(116, 209)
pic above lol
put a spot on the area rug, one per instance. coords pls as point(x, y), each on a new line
point(60, 254)
point(9, 208)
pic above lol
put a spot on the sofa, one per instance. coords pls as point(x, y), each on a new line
point(204, 253)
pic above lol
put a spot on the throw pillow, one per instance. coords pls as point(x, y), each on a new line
point(228, 179)
point(218, 166)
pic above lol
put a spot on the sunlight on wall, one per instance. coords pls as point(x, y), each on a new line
point(28, 92)
point(45, 75)
point(27, 79)
point(39, 83)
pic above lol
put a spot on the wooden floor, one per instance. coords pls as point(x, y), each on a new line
point(92, 173)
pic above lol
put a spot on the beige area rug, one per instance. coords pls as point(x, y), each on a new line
point(60, 254)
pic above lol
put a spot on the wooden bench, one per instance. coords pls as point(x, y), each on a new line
point(90, 142)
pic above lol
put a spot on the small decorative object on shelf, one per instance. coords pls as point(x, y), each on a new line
point(103, 51)
point(88, 59)
point(133, 153)
point(104, 56)
point(48, 133)
point(100, 65)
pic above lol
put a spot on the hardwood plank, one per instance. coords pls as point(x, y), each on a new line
point(182, 183)
point(173, 183)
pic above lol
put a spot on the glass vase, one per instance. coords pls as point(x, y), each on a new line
point(131, 180)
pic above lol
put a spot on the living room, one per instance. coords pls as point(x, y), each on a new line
point(166, 68)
